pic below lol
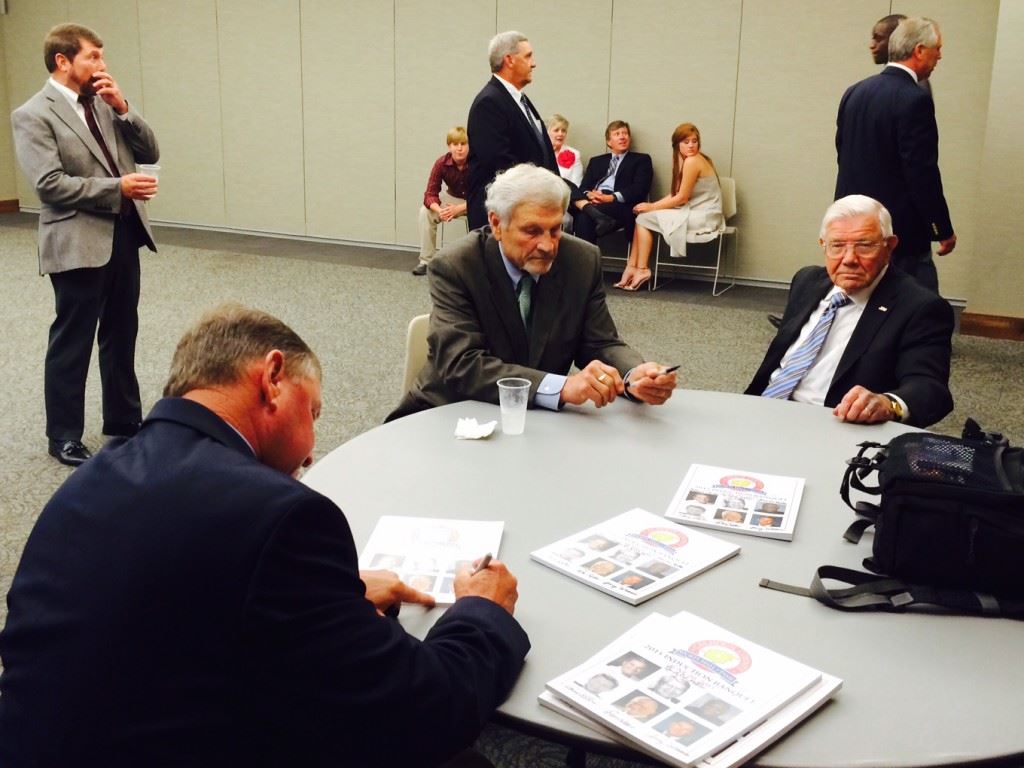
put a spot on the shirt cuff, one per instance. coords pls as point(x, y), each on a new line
point(619, 197)
point(625, 392)
point(549, 393)
point(901, 401)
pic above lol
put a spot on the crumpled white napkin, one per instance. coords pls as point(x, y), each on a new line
point(470, 429)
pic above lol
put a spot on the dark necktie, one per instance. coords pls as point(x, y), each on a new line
point(613, 166)
point(803, 358)
point(528, 110)
point(94, 129)
point(524, 295)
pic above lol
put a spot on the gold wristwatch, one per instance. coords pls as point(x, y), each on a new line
point(897, 407)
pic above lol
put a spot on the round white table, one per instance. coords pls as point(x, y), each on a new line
point(918, 689)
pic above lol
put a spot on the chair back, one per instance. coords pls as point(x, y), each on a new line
point(728, 186)
point(415, 349)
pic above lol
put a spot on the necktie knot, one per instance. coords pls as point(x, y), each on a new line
point(85, 99)
point(838, 300)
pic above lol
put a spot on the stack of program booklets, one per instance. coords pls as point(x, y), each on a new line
point(635, 556)
point(426, 552)
point(688, 692)
point(739, 501)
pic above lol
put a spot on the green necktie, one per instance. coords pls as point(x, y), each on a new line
point(524, 294)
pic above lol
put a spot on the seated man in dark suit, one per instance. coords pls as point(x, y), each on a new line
point(612, 185)
point(858, 335)
point(184, 600)
point(520, 299)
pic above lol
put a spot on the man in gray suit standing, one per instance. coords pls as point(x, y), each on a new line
point(78, 141)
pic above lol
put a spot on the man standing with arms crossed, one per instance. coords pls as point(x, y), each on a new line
point(887, 142)
point(78, 141)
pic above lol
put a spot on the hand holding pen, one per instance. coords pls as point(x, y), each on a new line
point(652, 383)
point(490, 579)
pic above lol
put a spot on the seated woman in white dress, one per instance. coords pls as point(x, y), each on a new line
point(570, 161)
point(693, 208)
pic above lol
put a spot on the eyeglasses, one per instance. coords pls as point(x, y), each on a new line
point(863, 249)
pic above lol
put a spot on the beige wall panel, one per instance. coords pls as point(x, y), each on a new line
point(995, 282)
point(672, 62)
point(960, 87)
point(25, 26)
point(118, 24)
point(572, 46)
point(8, 173)
point(261, 102)
point(796, 59)
point(183, 107)
point(348, 95)
point(437, 75)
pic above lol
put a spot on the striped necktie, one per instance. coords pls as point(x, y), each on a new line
point(803, 358)
point(524, 295)
point(605, 185)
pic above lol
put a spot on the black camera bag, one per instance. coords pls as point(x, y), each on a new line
point(949, 526)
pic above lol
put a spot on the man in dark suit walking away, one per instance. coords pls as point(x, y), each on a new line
point(887, 142)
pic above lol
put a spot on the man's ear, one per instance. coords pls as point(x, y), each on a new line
point(495, 222)
point(271, 375)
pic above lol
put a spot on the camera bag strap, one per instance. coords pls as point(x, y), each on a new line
point(871, 592)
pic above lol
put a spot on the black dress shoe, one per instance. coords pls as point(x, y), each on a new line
point(70, 452)
point(118, 429)
point(419, 270)
point(602, 221)
point(775, 320)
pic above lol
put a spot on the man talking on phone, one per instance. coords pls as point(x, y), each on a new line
point(78, 141)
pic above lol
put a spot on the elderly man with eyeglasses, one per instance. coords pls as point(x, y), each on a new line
point(858, 335)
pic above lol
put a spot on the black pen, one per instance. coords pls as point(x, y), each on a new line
point(673, 369)
point(484, 562)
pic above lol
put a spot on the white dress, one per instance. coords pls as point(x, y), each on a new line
point(570, 164)
point(699, 220)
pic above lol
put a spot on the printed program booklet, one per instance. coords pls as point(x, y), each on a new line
point(635, 556)
point(738, 501)
point(685, 690)
point(427, 552)
point(747, 745)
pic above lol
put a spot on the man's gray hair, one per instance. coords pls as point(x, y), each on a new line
point(857, 205)
point(503, 44)
point(216, 350)
point(525, 183)
point(909, 34)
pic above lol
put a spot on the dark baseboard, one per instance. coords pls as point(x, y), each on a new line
point(992, 326)
point(9, 206)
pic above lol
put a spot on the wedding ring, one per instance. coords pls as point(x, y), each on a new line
point(602, 377)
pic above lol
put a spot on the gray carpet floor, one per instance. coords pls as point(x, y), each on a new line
point(352, 305)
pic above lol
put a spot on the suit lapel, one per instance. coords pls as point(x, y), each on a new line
point(62, 109)
point(504, 298)
point(879, 307)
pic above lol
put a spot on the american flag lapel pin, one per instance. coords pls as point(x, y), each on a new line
point(883, 309)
